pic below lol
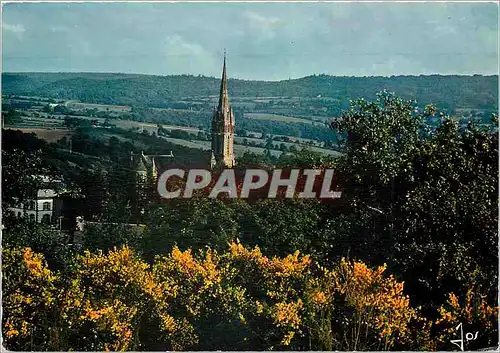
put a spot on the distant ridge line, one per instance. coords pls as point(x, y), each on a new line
point(239, 79)
point(444, 91)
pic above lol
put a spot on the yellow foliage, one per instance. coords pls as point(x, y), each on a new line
point(473, 314)
point(319, 298)
point(377, 304)
point(28, 296)
point(114, 300)
point(288, 266)
point(288, 314)
point(113, 293)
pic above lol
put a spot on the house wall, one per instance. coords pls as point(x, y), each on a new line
point(34, 209)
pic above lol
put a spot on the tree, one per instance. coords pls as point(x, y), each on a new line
point(431, 193)
point(277, 226)
point(201, 136)
point(40, 238)
point(12, 117)
point(248, 159)
point(189, 223)
point(22, 174)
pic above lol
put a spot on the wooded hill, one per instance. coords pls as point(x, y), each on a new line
point(447, 92)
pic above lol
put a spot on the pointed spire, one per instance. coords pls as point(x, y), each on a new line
point(224, 96)
point(223, 126)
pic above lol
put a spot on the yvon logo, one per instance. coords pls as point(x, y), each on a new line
point(288, 183)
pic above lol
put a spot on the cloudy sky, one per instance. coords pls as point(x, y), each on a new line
point(267, 41)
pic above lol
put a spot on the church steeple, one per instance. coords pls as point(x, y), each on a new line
point(223, 126)
point(224, 95)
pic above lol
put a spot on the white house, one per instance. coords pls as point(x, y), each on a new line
point(41, 208)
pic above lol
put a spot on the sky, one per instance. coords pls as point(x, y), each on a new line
point(264, 41)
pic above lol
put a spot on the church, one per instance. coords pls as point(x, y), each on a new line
point(223, 128)
point(222, 131)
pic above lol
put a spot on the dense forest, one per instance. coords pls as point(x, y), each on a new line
point(448, 92)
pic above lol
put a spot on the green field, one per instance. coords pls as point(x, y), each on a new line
point(239, 150)
point(276, 117)
point(45, 128)
point(28, 122)
point(49, 135)
point(127, 124)
point(102, 107)
point(302, 141)
point(203, 145)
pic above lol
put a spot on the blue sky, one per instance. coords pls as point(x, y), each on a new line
point(266, 41)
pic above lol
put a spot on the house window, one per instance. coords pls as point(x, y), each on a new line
point(46, 219)
point(19, 215)
point(31, 205)
point(46, 206)
point(32, 217)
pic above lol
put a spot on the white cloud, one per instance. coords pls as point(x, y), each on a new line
point(13, 28)
point(264, 25)
point(175, 45)
point(17, 29)
point(181, 54)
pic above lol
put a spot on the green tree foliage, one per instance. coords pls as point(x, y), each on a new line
point(21, 174)
point(276, 226)
point(11, 117)
point(24, 169)
point(73, 122)
point(431, 194)
point(193, 223)
point(281, 226)
point(50, 242)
